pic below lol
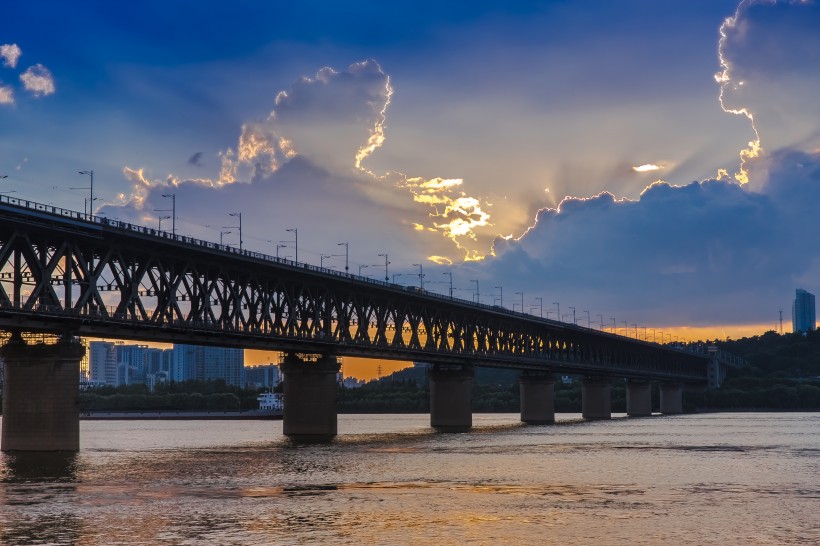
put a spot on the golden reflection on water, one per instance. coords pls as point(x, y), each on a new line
point(391, 480)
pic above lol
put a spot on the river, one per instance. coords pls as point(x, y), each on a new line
point(729, 478)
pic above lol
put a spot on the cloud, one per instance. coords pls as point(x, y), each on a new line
point(195, 159)
point(647, 167)
point(6, 95)
point(38, 80)
point(10, 53)
point(704, 253)
point(335, 120)
point(769, 53)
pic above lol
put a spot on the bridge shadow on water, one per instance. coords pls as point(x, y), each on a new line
point(33, 467)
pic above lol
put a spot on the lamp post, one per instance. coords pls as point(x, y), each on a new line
point(601, 317)
point(588, 321)
point(90, 188)
point(500, 296)
point(386, 263)
point(540, 307)
point(477, 295)
point(362, 267)
point(295, 232)
point(173, 197)
point(160, 219)
point(223, 233)
point(421, 275)
point(322, 259)
point(239, 227)
point(522, 300)
point(347, 254)
point(558, 307)
point(449, 274)
point(278, 246)
point(574, 321)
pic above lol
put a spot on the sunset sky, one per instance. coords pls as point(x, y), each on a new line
point(655, 163)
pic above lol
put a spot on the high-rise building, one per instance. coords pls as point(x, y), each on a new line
point(265, 376)
point(803, 312)
point(102, 363)
point(208, 363)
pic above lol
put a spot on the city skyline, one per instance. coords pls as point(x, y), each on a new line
point(547, 149)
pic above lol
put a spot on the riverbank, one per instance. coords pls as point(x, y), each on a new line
point(179, 415)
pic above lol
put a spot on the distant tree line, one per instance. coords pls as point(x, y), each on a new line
point(173, 396)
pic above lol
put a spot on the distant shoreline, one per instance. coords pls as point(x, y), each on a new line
point(178, 415)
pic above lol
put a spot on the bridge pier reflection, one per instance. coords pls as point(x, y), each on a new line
point(596, 401)
point(451, 391)
point(41, 395)
point(537, 398)
point(310, 413)
point(638, 398)
point(671, 398)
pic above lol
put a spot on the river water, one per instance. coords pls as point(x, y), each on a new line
point(750, 478)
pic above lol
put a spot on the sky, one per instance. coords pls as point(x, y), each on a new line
point(643, 162)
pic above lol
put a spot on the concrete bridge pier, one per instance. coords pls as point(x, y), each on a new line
point(310, 398)
point(596, 400)
point(638, 398)
point(671, 398)
point(41, 395)
point(451, 395)
point(537, 398)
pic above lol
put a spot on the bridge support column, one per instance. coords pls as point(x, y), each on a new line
point(451, 394)
point(537, 398)
point(638, 398)
point(596, 401)
point(671, 398)
point(41, 395)
point(310, 398)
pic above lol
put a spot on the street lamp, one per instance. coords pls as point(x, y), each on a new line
point(278, 246)
point(160, 219)
point(574, 321)
point(601, 317)
point(522, 300)
point(239, 216)
point(295, 232)
point(500, 296)
point(558, 307)
point(173, 197)
point(90, 189)
point(449, 274)
point(347, 254)
point(540, 307)
point(421, 275)
point(322, 259)
point(588, 321)
point(386, 263)
point(477, 295)
point(223, 233)
point(362, 267)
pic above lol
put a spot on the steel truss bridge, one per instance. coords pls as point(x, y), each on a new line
point(65, 272)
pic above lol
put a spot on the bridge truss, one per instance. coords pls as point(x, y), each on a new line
point(64, 272)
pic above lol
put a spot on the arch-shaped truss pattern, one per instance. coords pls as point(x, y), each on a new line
point(63, 272)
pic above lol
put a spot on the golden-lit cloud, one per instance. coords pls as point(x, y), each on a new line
point(648, 167)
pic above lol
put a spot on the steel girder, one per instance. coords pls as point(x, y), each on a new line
point(63, 273)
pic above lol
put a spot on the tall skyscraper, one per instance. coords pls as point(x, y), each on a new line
point(102, 363)
point(208, 363)
point(803, 312)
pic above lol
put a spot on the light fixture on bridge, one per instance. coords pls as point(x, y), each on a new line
point(295, 232)
point(239, 216)
point(421, 275)
point(347, 255)
point(173, 211)
point(386, 263)
point(90, 188)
